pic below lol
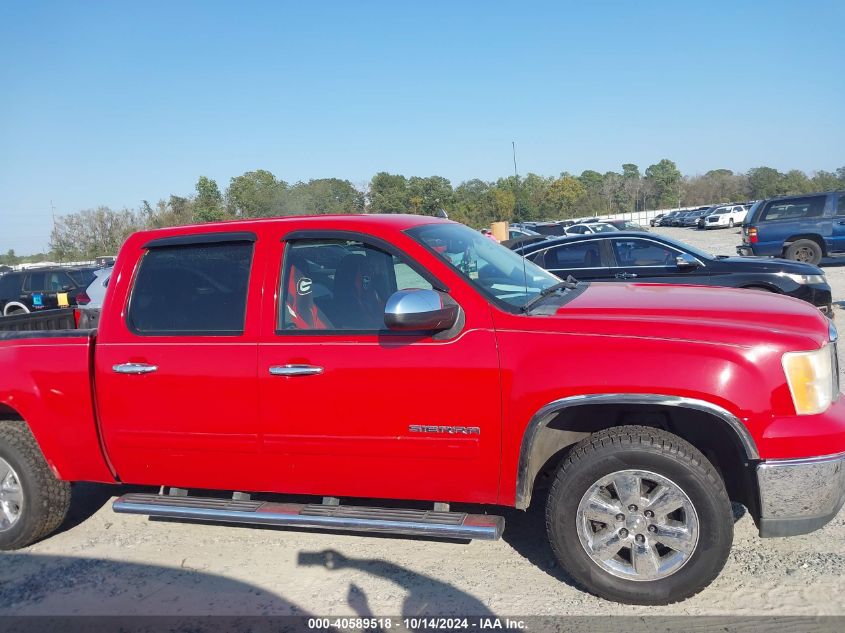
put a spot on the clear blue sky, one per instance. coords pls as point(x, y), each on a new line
point(114, 102)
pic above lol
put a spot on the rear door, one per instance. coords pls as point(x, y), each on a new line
point(584, 259)
point(647, 260)
point(175, 367)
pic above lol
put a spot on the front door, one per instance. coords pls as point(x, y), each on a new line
point(176, 378)
point(645, 260)
point(350, 409)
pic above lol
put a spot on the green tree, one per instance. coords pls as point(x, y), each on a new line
point(665, 179)
point(825, 181)
point(429, 195)
point(765, 182)
point(208, 205)
point(90, 233)
point(562, 196)
point(795, 181)
point(504, 205)
point(9, 258)
point(256, 194)
point(324, 195)
point(389, 194)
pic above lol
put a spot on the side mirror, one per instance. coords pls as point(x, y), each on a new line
point(685, 260)
point(428, 310)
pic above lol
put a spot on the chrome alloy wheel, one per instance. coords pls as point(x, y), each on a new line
point(11, 496)
point(637, 525)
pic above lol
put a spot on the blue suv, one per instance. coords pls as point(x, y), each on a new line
point(804, 228)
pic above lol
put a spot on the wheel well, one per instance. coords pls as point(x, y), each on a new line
point(706, 431)
point(810, 236)
point(8, 413)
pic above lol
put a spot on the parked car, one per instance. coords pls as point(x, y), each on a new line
point(692, 218)
point(91, 301)
point(804, 228)
point(725, 216)
point(590, 228)
point(655, 221)
point(36, 289)
point(411, 359)
point(664, 219)
point(516, 231)
point(626, 225)
point(627, 256)
point(545, 228)
point(678, 220)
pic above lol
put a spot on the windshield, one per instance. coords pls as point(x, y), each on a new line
point(603, 228)
point(498, 272)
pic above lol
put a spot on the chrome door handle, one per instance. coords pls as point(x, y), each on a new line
point(134, 368)
point(626, 275)
point(295, 370)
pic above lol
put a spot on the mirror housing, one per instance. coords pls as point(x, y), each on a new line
point(685, 260)
point(420, 310)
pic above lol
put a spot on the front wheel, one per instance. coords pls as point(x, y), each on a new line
point(730, 223)
point(638, 515)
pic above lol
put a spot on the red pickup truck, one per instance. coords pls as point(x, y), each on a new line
point(411, 361)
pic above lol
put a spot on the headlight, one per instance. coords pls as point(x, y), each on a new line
point(806, 279)
point(810, 379)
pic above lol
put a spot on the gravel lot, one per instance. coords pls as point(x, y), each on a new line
point(103, 563)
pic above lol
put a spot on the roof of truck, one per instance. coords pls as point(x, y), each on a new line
point(398, 221)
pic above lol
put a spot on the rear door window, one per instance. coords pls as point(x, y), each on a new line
point(36, 282)
point(840, 207)
point(794, 208)
point(585, 254)
point(197, 289)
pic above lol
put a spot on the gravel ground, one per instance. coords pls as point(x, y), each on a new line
point(103, 563)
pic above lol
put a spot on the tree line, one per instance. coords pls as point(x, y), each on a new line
point(256, 194)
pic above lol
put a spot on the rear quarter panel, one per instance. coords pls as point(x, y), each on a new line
point(47, 382)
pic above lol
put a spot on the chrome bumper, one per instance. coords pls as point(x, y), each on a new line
point(798, 496)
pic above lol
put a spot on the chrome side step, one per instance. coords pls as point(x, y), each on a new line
point(452, 525)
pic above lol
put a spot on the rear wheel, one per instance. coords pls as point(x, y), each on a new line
point(731, 223)
point(33, 503)
point(638, 515)
point(804, 251)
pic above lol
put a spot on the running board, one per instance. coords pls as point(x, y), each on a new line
point(452, 525)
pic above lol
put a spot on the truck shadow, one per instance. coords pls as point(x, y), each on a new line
point(86, 499)
point(427, 596)
point(35, 584)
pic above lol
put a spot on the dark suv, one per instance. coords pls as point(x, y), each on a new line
point(41, 289)
point(805, 228)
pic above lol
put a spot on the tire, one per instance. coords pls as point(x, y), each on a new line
point(26, 482)
point(664, 457)
point(804, 251)
point(730, 223)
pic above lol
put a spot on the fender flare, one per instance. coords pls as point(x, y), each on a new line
point(527, 469)
point(15, 304)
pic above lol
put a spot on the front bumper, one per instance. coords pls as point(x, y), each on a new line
point(798, 496)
